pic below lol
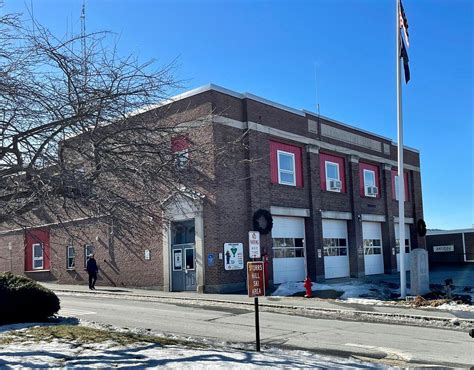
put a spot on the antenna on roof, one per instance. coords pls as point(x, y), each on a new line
point(317, 92)
point(83, 41)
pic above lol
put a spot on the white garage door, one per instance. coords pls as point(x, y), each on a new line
point(373, 254)
point(407, 247)
point(336, 249)
point(288, 249)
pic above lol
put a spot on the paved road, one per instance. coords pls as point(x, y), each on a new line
point(380, 341)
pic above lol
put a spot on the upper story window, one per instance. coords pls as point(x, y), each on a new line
point(369, 180)
point(333, 179)
point(332, 173)
point(286, 168)
point(180, 148)
point(286, 164)
point(395, 186)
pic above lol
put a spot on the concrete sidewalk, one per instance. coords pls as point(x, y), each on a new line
point(288, 303)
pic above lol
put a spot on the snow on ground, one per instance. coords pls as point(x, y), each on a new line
point(76, 355)
point(360, 292)
point(351, 289)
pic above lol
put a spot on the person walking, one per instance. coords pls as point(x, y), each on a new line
point(92, 270)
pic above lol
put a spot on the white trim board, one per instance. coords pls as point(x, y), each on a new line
point(289, 211)
point(373, 218)
point(408, 220)
point(300, 112)
point(458, 231)
point(306, 140)
point(335, 215)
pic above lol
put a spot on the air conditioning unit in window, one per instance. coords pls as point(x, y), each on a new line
point(371, 191)
point(335, 185)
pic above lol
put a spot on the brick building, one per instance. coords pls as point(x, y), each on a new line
point(450, 247)
point(330, 189)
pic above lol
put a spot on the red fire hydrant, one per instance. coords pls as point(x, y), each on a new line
point(307, 285)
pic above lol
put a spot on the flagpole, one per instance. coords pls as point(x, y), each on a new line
point(401, 182)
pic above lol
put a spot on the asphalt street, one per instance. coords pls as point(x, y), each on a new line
point(391, 343)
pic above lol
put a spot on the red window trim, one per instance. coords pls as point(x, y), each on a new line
point(276, 146)
point(371, 167)
point(407, 193)
point(32, 237)
point(323, 158)
point(179, 143)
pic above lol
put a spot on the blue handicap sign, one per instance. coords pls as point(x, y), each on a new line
point(210, 259)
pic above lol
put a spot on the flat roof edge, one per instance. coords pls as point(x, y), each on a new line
point(457, 231)
point(299, 112)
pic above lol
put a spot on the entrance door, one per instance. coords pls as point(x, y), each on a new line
point(407, 247)
point(373, 254)
point(183, 256)
point(336, 250)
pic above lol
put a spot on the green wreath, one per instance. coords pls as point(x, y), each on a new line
point(421, 227)
point(268, 219)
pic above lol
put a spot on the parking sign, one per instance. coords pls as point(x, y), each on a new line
point(254, 244)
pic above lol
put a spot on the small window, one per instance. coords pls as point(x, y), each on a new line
point(333, 179)
point(288, 247)
point(334, 247)
point(182, 159)
point(88, 250)
point(189, 256)
point(37, 256)
point(71, 257)
point(286, 168)
point(369, 182)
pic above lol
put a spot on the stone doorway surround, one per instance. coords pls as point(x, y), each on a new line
point(184, 208)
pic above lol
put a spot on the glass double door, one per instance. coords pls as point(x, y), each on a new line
point(183, 257)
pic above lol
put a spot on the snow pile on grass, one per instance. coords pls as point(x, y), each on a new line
point(73, 353)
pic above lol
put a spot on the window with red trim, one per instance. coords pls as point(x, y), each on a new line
point(369, 180)
point(395, 185)
point(332, 173)
point(37, 250)
point(180, 148)
point(286, 164)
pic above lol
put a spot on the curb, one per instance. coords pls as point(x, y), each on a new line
point(349, 315)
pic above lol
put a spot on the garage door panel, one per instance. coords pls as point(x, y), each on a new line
point(373, 248)
point(288, 269)
point(336, 264)
point(335, 267)
point(407, 255)
point(288, 227)
point(334, 229)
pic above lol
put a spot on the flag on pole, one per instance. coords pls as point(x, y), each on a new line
point(404, 56)
point(404, 23)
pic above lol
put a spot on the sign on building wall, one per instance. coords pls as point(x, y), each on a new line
point(254, 244)
point(233, 256)
point(443, 248)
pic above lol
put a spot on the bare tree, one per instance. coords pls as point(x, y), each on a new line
point(76, 141)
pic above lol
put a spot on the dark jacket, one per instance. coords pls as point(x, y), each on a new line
point(92, 266)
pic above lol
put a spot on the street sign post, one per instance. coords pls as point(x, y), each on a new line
point(254, 244)
point(256, 288)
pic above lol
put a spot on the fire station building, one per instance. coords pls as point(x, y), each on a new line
point(330, 189)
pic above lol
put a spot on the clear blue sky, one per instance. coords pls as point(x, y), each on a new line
point(273, 48)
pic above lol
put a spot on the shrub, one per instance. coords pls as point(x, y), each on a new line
point(24, 300)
